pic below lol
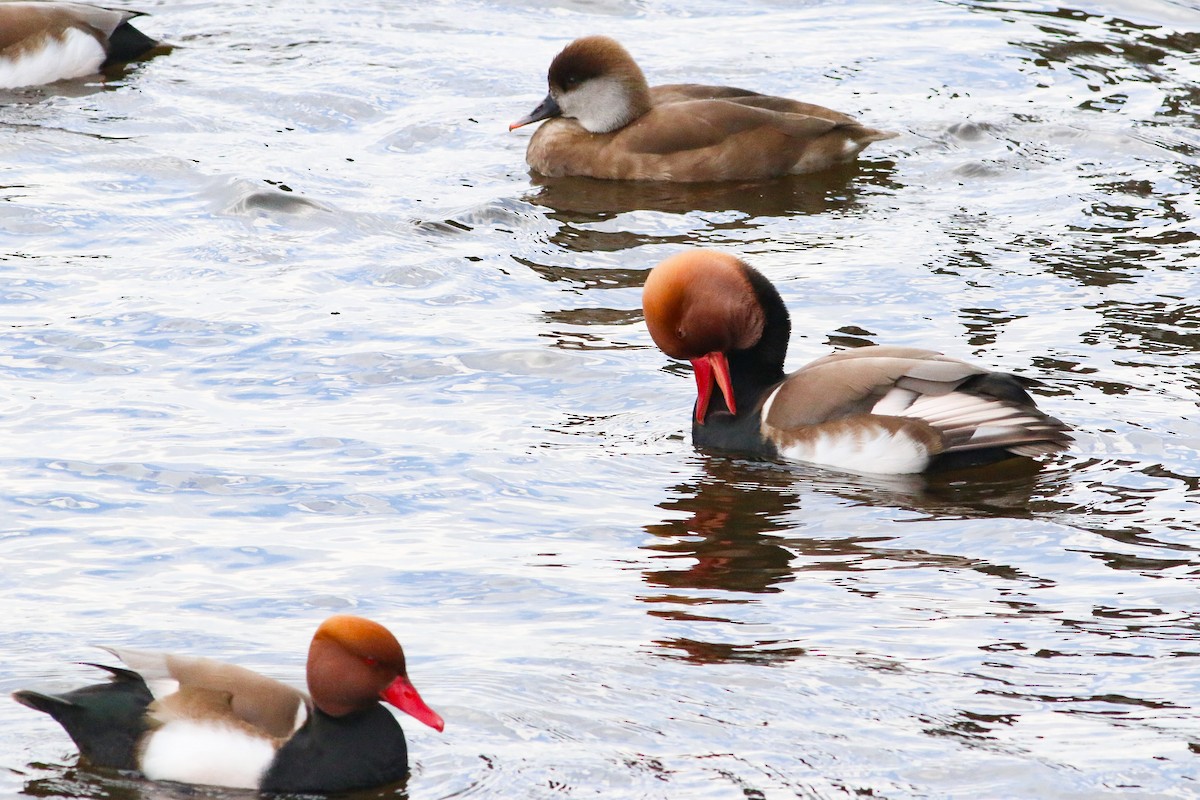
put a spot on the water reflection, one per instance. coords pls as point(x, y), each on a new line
point(81, 781)
point(86, 783)
point(602, 277)
point(730, 536)
point(1107, 51)
point(584, 199)
point(591, 212)
point(740, 534)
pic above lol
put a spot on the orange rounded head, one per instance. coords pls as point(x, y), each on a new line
point(699, 302)
point(700, 305)
point(354, 662)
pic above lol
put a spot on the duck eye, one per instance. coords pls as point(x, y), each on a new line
point(370, 661)
point(680, 333)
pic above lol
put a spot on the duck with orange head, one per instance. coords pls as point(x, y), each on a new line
point(876, 409)
point(199, 721)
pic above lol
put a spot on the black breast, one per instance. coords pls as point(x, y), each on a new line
point(335, 754)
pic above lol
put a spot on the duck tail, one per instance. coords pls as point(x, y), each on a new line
point(105, 720)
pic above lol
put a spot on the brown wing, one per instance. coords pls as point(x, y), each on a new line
point(853, 381)
point(921, 391)
point(697, 124)
point(682, 92)
point(679, 92)
point(266, 704)
point(30, 21)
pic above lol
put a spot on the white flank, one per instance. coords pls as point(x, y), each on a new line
point(867, 451)
point(72, 56)
point(206, 752)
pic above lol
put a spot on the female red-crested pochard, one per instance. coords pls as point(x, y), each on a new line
point(42, 41)
point(876, 409)
point(605, 121)
point(194, 720)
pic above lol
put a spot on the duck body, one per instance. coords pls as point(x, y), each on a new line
point(604, 121)
point(42, 41)
point(877, 409)
point(194, 720)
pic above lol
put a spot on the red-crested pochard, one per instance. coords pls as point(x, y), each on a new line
point(42, 41)
point(605, 121)
point(876, 409)
point(193, 720)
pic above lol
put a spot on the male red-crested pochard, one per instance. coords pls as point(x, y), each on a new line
point(194, 720)
point(42, 41)
point(605, 121)
point(877, 409)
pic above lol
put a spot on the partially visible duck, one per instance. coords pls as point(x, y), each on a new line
point(605, 121)
point(877, 409)
point(193, 720)
point(42, 41)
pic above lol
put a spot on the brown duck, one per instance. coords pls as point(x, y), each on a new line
point(605, 121)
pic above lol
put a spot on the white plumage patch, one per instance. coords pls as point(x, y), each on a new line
point(151, 666)
point(301, 717)
point(865, 450)
point(75, 54)
point(600, 105)
point(868, 450)
point(895, 403)
point(206, 752)
point(161, 687)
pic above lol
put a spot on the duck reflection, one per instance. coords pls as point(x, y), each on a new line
point(737, 538)
point(582, 204)
point(729, 541)
point(730, 536)
point(832, 190)
point(80, 782)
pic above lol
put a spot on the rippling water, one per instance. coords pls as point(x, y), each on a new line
point(291, 330)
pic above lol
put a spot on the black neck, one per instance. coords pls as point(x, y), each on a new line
point(754, 372)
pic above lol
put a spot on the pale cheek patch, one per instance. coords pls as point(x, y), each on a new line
point(206, 752)
point(75, 54)
point(600, 105)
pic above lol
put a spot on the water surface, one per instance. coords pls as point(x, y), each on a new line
point(290, 330)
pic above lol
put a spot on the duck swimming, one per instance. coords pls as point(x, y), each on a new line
point(194, 720)
point(876, 409)
point(604, 121)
